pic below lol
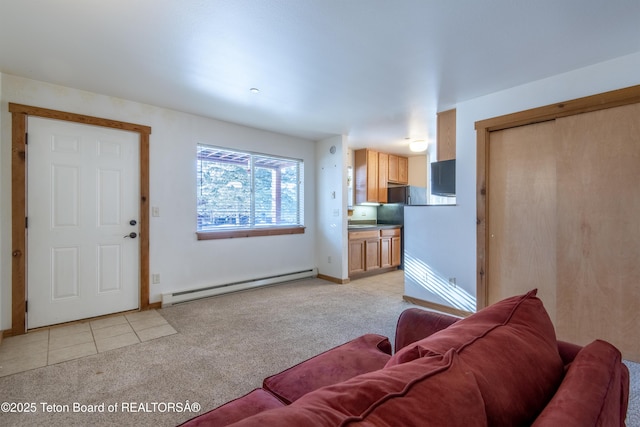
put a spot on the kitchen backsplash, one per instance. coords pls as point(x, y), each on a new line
point(364, 213)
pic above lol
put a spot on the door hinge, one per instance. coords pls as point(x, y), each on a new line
point(26, 222)
point(26, 306)
point(26, 138)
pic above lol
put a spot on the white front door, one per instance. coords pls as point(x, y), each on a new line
point(82, 208)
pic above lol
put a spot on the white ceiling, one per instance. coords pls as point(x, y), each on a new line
point(375, 70)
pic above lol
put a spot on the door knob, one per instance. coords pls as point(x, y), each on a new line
point(132, 222)
point(132, 235)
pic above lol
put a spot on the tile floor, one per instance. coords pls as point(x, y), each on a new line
point(61, 343)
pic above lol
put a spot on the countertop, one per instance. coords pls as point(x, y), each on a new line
point(360, 227)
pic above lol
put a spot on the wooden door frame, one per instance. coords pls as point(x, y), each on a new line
point(616, 98)
point(19, 116)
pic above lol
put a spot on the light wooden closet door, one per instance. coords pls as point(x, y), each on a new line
point(522, 207)
point(598, 239)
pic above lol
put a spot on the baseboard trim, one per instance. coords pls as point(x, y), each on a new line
point(334, 279)
point(178, 297)
point(373, 272)
point(437, 307)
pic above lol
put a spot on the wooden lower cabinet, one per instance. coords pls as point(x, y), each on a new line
point(357, 256)
point(396, 251)
point(385, 252)
point(373, 250)
point(390, 250)
point(372, 253)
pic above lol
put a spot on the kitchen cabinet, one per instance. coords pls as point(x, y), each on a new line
point(383, 176)
point(403, 170)
point(357, 256)
point(364, 253)
point(396, 248)
point(398, 169)
point(372, 254)
point(374, 250)
point(446, 137)
point(366, 176)
point(390, 251)
point(373, 171)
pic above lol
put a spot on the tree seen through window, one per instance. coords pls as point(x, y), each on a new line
point(246, 190)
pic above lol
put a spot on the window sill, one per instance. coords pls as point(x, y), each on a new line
point(249, 232)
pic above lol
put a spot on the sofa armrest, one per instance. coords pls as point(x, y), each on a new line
point(415, 324)
point(238, 409)
point(364, 354)
point(594, 391)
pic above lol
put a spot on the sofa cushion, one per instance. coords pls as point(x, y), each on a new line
point(364, 354)
point(511, 349)
point(250, 404)
point(431, 391)
point(596, 368)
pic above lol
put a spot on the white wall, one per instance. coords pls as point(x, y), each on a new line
point(444, 237)
point(5, 212)
point(175, 254)
point(331, 201)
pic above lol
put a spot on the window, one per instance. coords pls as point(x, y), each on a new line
point(242, 194)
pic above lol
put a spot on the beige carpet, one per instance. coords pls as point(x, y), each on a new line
point(224, 347)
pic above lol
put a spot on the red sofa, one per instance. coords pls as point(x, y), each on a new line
point(501, 366)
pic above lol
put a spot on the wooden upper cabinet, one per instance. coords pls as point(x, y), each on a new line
point(374, 170)
point(383, 176)
point(372, 176)
point(398, 169)
point(366, 175)
point(447, 135)
point(393, 168)
point(403, 170)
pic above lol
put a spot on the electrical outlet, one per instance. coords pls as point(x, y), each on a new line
point(329, 259)
point(155, 211)
point(155, 278)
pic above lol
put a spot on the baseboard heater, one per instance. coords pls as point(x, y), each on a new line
point(193, 294)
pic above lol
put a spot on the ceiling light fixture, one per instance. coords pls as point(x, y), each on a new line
point(418, 145)
point(254, 90)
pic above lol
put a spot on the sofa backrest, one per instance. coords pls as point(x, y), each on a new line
point(511, 349)
point(415, 324)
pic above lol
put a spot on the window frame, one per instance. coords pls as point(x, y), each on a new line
point(253, 230)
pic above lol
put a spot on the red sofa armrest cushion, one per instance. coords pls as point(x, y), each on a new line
point(364, 354)
point(592, 390)
point(250, 404)
point(415, 324)
point(431, 391)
